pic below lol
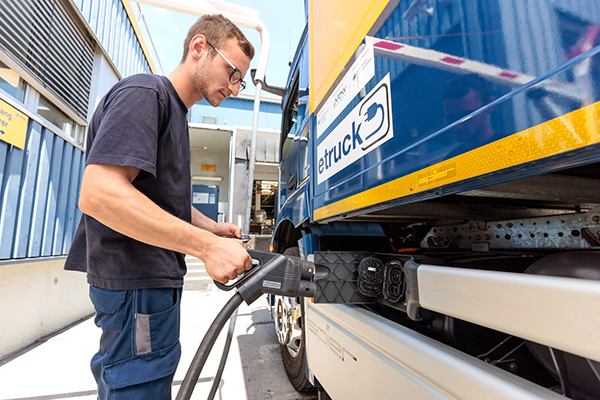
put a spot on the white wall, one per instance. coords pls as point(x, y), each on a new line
point(38, 298)
point(198, 158)
point(103, 78)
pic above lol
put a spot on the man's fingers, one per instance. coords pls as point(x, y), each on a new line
point(233, 275)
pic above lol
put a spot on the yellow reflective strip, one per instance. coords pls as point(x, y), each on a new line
point(571, 131)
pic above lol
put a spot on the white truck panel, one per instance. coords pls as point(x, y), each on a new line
point(359, 355)
point(563, 313)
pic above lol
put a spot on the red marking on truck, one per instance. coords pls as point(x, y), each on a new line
point(509, 75)
point(452, 60)
point(388, 46)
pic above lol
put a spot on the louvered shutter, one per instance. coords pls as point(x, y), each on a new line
point(44, 39)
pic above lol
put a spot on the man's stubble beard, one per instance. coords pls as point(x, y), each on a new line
point(200, 78)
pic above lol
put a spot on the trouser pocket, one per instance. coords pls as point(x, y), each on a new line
point(155, 339)
point(155, 331)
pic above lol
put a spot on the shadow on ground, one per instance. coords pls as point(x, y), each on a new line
point(264, 375)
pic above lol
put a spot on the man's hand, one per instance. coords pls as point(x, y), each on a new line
point(226, 259)
point(227, 230)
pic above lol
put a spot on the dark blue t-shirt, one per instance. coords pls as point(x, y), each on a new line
point(141, 123)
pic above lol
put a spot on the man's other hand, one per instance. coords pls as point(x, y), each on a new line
point(227, 230)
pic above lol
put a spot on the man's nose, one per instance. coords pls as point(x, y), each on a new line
point(234, 88)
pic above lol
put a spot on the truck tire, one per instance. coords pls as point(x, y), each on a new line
point(294, 362)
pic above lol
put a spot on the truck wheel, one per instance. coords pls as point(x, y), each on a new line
point(290, 333)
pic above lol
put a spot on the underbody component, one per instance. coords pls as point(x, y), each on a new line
point(567, 231)
point(517, 304)
point(576, 374)
point(512, 303)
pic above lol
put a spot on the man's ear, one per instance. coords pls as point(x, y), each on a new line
point(198, 46)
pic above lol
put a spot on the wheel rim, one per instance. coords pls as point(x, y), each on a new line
point(287, 324)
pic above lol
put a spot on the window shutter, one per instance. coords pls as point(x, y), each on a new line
point(44, 39)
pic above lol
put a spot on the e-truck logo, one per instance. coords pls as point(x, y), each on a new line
point(364, 129)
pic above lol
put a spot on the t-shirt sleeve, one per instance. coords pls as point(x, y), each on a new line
point(128, 132)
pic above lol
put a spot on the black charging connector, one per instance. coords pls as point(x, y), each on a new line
point(275, 274)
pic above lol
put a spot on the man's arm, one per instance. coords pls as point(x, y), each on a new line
point(226, 229)
point(108, 196)
point(202, 221)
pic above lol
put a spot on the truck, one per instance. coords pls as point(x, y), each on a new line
point(439, 164)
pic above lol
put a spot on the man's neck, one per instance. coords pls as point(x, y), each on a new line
point(183, 84)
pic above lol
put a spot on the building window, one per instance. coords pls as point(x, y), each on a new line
point(55, 116)
point(209, 120)
point(11, 82)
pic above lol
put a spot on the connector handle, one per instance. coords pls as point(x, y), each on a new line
point(262, 258)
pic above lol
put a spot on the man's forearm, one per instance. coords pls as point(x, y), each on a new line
point(202, 221)
point(110, 198)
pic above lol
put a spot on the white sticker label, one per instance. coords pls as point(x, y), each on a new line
point(364, 129)
point(355, 79)
point(272, 285)
point(200, 198)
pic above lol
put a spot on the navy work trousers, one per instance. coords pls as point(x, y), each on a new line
point(139, 347)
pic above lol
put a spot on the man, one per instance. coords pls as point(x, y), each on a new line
point(138, 220)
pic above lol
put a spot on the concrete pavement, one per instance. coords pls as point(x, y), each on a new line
point(58, 368)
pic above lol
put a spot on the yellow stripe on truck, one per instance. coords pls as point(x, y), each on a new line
point(336, 28)
point(571, 131)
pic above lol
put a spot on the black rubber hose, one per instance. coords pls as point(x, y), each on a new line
point(219, 374)
point(193, 373)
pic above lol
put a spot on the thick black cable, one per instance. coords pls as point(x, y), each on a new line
point(193, 373)
point(219, 374)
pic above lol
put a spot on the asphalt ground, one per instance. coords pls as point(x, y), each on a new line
point(57, 367)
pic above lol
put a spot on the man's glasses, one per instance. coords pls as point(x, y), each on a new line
point(236, 74)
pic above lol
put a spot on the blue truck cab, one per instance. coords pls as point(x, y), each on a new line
point(439, 165)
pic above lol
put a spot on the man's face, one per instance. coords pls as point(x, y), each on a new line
point(212, 75)
point(455, 109)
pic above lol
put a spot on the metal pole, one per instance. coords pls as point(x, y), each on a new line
point(252, 160)
point(232, 147)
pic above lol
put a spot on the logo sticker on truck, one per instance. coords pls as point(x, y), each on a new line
point(364, 129)
point(359, 74)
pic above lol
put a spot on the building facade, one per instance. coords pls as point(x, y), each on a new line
point(57, 59)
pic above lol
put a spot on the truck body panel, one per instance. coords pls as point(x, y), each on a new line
point(358, 355)
point(440, 165)
point(425, 151)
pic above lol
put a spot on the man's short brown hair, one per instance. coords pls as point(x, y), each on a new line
point(217, 30)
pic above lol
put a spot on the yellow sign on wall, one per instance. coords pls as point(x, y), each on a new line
point(208, 167)
point(13, 125)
